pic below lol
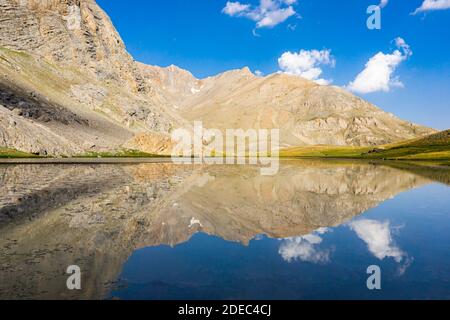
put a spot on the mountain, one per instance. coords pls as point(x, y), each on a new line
point(68, 86)
point(307, 113)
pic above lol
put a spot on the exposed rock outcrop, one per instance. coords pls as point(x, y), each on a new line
point(65, 71)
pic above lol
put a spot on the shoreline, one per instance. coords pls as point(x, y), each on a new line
point(162, 159)
point(85, 160)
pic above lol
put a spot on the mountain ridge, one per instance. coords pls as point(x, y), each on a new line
point(69, 86)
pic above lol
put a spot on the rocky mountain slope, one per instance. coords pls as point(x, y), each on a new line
point(306, 113)
point(68, 86)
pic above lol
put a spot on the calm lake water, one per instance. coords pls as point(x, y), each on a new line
point(164, 231)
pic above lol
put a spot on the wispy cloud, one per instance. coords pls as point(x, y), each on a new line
point(306, 64)
point(430, 5)
point(267, 14)
point(259, 73)
point(378, 74)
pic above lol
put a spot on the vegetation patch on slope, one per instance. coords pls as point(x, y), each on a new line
point(432, 147)
point(6, 153)
point(120, 154)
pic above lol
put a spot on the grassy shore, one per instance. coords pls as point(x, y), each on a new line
point(435, 147)
point(6, 153)
point(121, 154)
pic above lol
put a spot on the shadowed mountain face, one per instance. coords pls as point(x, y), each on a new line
point(68, 86)
point(95, 217)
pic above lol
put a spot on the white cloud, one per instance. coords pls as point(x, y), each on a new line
point(429, 5)
point(306, 64)
point(272, 18)
point(377, 236)
point(267, 14)
point(305, 248)
point(259, 73)
point(235, 8)
point(378, 74)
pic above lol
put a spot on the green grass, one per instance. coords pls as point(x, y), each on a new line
point(11, 52)
point(324, 152)
point(120, 154)
point(6, 153)
point(433, 147)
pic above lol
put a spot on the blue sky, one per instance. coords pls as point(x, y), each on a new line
point(197, 35)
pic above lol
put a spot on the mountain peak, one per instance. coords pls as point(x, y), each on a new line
point(235, 73)
point(246, 70)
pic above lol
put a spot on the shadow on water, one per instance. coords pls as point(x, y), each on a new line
point(54, 187)
point(433, 171)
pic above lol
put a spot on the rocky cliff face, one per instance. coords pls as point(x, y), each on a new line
point(71, 33)
point(68, 86)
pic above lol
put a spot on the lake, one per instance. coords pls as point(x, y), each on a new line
point(165, 231)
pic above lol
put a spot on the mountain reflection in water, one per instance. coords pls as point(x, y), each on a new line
point(96, 216)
